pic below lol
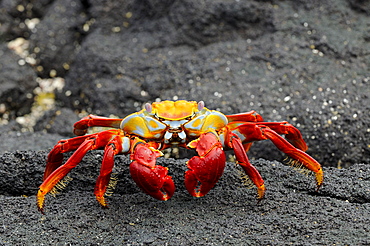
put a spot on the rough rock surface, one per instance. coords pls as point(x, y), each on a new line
point(16, 84)
point(306, 62)
point(292, 213)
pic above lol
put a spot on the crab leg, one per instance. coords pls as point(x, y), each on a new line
point(206, 169)
point(296, 154)
point(251, 116)
point(81, 126)
point(263, 132)
point(292, 134)
point(94, 141)
point(234, 142)
point(237, 119)
point(55, 156)
point(113, 148)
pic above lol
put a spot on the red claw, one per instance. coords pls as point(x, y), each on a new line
point(205, 169)
point(151, 178)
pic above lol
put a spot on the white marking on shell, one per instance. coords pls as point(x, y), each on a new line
point(125, 145)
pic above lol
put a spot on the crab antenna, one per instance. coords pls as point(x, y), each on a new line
point(148, 107)
point(200, 105)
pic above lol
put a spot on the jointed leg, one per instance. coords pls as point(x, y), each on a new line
point(292, 134)
point(297, 154)
point(251, 116)
point(61, 172)
point(94, 141)
point(113, 148)
point(81, 126)
point(250, 132)
point(234, 142)
point(262, 131)
point(55, 156)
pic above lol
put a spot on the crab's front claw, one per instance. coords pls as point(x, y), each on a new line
point(153, 181)
point(207, 168)
point(151, 178)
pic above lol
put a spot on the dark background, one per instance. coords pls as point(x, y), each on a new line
point(306, 62)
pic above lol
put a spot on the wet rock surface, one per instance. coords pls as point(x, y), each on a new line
point(304, 62)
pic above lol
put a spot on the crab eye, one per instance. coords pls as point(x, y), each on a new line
point(148, 107)
point(200, 105)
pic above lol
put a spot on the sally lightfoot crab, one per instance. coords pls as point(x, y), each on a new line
point(161, 125)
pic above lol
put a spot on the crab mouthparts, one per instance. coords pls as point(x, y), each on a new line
point(175, 136)
point(175, 133)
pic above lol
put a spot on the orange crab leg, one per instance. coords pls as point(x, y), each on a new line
point(55, 156)
point(248, 130)
point(81, 126)
point(94, 141)
point(292, 134)
point(234, 142)
point(237, 119)
point(256, 132)
point(296, 154)
point(61, 172)
point(113, 148)
point(251, 116)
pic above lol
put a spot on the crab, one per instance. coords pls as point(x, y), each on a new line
point(161, 125)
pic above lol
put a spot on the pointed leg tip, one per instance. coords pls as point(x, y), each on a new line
point(102, 202)
point(261, 191)
point(40, 207)
point(40, 198)
point(319, 179)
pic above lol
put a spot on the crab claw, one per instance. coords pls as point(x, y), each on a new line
point(205, 169)
point(151, 178)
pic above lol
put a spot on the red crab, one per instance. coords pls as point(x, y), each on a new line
point(161, 125)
